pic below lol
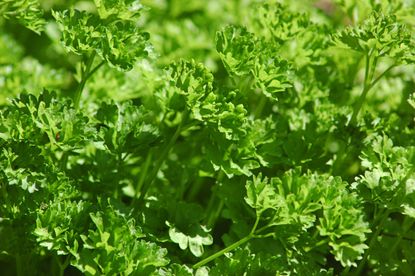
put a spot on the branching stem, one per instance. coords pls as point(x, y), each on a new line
point(368, 83)
point(381, 220)
point(223, 251)
point(143, 174)
point(162, 158)
point(86, 73)
point(231, 247)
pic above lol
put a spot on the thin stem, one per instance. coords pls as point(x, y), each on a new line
point(346, 271)
point(85, 74)
point(62, 266)
point(223, 251)
point(408, 222)
point(19, 265)
point(264, 236)
point(162, 158)
point(194, 189)
point(95, 69)
point(264, 228)
point(231, 247)
point(382, 219)
point(366, 82)
point(382, 75)
point(260, 106)
point(64, 160)
point(395, 236)
point(213, 215)
point(143, 175)
point(255, 224)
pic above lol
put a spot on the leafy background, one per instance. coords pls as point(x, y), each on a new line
point(216, 137)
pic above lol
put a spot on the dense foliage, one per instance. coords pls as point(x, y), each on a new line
point(221, 137)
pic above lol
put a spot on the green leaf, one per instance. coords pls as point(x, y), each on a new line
point(197, 237)
point(120, 9)
point(261, 195)
point(297, 203)
point(244, 55)
point(380, 35)
point(26, 12)
point(119, 42)
point(388, 180)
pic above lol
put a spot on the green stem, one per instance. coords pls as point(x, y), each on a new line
point(143, 175)
point(64, 160)
point(382, 219)
point(255, 224)
point(365, 90)
point(382, 75)
point(231, 247)
point(223, 251)
point(407, 224)
point(162, 158)
point(194, 189)
point(95, 69)
point(85, 74)
point(264, 228)
point(215, 215)
point(368, 83)
point(260, 106)
point(213, 205)
point(396, 236)
point(62, 266)
point(346, 271)
point(19, 265)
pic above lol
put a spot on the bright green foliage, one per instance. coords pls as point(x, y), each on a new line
point(120, 249)
point(10, 51)
point(192, 90)
point(275, 22)
point(194, 137)
point(125, 127)
point(380, 35)
point(46, 123)
point(29, 75)
point(245, 55)
point(26, 12)
point(308, 202)
point(389, 179)
point(112, 34)
point(123, 10)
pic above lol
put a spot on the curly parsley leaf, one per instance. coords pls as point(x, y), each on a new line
point(120, 42)
point(26, 12)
